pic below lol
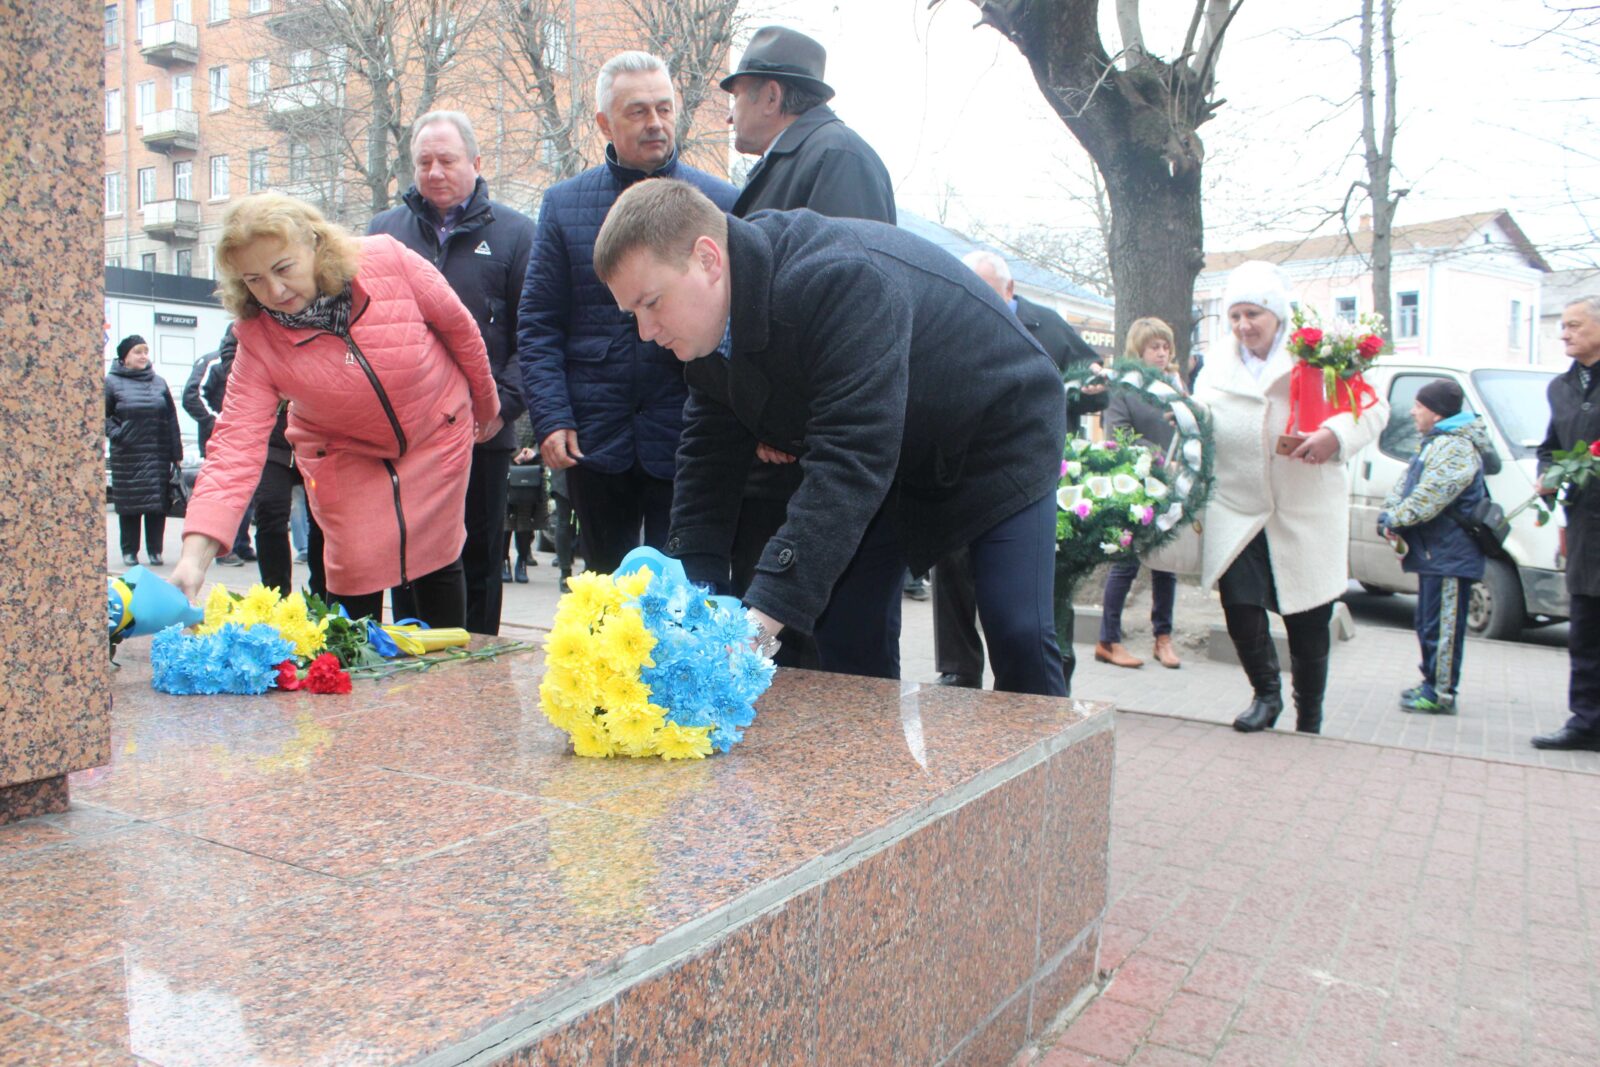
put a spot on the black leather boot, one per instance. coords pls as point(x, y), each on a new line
point(1259, 657)
point(1310, 678)
point(1069, 663)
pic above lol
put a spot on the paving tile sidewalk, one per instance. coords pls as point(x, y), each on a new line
point(1283, 900)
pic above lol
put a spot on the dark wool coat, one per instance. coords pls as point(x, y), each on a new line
point(1574, 417)
point(821, 164)
point(583, 365)
point(1067, 349)
point(485, 260)
point(893, 373)
point(142, 426)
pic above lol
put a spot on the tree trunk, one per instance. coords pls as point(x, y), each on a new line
point(1156, 240)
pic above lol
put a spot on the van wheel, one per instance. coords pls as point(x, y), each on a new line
point(1375, 590)
point(1496, 608)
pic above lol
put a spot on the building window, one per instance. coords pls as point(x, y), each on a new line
point(183, 180)
point(183, 262)
point(1516, 324)
point(114, 193)
point(260, 78)
point(113, 110)
point(147, 186)
point(218, 11)
point(113, 25)
point(1408, 317)
point(219, 88)
point(258, 6)
point(554, 52)
point(258, 169)
point(300, 66)
point(219, 177)
point(144, 15)
point(114, 261)
point(1344, 308)
point(183, 92)
point(147, 262)
point(144, 102)
point(299, 161)
point(182, 11)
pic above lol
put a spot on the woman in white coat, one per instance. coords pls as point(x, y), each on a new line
point(1277, 527)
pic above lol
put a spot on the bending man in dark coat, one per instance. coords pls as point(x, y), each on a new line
point(481, 246)
point(922, 414)
point(810, 159)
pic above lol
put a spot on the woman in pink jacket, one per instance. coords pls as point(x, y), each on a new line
point(388, 387)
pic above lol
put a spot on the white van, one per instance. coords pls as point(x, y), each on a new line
point(1531, 586)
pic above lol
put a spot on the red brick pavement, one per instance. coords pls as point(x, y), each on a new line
point(1284, 900)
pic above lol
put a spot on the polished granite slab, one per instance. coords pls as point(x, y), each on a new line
point(420, 872)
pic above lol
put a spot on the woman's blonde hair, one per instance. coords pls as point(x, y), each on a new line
point(273, 215)
point(1145, 330)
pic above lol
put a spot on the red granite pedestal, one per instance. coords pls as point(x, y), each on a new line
point(420, 873)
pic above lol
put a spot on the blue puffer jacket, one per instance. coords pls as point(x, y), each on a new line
point(583, 365)
point(1445, 479)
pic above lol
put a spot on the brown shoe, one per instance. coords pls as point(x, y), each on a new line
point(1116, 655)
point(1165, 654)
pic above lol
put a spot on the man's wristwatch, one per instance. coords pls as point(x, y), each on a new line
point(765, 641)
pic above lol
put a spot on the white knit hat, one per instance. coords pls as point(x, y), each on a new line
point(1260, 283)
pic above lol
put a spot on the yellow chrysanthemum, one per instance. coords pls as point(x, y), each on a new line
point(256, 606)
point(625, 643)
point(590, 739)
point(219, 605)
point(683, 742)
point(565, 644)
point(622, 691)
point(633, 585)
point(632, 728)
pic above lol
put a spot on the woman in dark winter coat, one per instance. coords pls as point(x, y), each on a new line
point(142, 426)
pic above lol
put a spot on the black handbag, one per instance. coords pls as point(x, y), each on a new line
point(1486, 525)
point(175, 504)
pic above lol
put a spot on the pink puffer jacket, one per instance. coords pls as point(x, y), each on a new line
point(382, 427)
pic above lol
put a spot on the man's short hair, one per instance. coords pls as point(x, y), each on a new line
point(1591, 304)
point(457, 119)
point(623, 63)
point(982, 257)
point(661, 216)
point(796, 99)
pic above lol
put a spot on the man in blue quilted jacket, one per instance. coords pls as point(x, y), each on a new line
point(606, 407)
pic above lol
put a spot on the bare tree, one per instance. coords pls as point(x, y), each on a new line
point(693, 37)
point(1079, 253)
point(547, 76)
point(1377, 139)
point(1137, 116)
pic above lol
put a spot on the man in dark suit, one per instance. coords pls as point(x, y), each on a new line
point(923, 417)
point(481, 246)
point(811, 159)
point(957, 648)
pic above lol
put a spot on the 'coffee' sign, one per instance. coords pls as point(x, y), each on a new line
point(164, 319)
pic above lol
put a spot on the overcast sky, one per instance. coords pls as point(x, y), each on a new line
point(1486, 106)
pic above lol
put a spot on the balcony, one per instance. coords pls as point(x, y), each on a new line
point(172, 130)
point(172, 220)
point(312, 101)
point(298, 22)
point(171, 44)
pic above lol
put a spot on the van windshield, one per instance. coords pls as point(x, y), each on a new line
point(1517, 404)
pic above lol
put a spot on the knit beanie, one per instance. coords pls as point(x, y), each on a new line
point(1260, 283)
point(1442, 396)
point(126, 345)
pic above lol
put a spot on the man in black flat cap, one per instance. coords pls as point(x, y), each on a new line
point(809, 159)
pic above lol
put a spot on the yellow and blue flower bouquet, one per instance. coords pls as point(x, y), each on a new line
point(644, 663)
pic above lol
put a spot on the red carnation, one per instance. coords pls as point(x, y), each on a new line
point(288, 677)
point(326, 676)
point(1369, 346)
point(1594, 449)
point(1309, 335)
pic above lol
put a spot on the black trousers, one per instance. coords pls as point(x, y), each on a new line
point(484, 550)
point(1014, 570)
point(274, 557)
point(611, 508)
point(438, 599)
point(1583, 650)
point(759, 519)
point(155, 531)
point(957, 648)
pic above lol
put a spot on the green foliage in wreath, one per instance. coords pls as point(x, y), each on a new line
point(1119, 499)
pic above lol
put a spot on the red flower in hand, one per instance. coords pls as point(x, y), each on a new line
point(1308, 335)
point(1369, 346)
point(1594, 449)
point(326, 676)
point(288, 677)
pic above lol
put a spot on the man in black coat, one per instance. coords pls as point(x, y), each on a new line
point(481, 247)
point(809, 159)
point(1575, 416)
point(922, 415)
point(957, 648)
point(194, 401)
